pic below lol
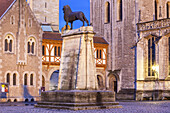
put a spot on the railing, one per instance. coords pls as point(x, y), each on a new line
point(151, 25)
point(53, 60)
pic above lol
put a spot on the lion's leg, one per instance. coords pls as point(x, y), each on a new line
point(66, 25)
point(71, 25)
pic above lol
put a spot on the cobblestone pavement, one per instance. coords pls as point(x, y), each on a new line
point(128, 107)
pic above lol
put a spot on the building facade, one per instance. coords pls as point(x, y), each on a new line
point(46, 11)
point(20, 52)
point(128, 26)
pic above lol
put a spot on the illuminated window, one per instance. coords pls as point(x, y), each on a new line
point(151, 55)
point(168, 8)
point(119, 10)
point(107, 12)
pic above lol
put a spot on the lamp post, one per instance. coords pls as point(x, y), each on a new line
point(155, 69)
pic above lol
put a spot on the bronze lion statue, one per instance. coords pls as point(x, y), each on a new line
point(70, 16)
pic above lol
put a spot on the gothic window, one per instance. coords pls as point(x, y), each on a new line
point(14, 79)
point(31, 46)
point(8, 43)
point(156, 9)
point(100, 54)
point(168, 9)
point(107, 12)
point(25, 79)
point(8, 78)
point(31, 79)
point(119, 10)
point(151, 55)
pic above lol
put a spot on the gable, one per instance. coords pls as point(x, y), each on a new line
point(5, 5)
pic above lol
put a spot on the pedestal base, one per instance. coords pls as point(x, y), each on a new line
point(78, 100)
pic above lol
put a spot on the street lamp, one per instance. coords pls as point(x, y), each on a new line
point(155, 69)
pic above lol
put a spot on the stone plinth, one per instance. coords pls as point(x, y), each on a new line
point(77, 81)
point(78, 100)
point(77, 67)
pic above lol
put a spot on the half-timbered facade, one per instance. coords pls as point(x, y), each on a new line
point(51, 57)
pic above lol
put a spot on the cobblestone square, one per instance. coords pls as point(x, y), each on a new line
point(128, 107)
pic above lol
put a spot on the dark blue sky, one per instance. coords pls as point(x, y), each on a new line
point(76, 5)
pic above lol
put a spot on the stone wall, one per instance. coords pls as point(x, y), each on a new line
point(46, 11)
point(19, 61)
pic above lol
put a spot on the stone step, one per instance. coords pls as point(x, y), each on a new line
point(77, 104)
point(78, 108)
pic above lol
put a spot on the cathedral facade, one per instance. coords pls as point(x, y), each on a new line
point(137, 32)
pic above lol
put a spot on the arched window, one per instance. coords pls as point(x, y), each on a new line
point(119, 10)
point(25, 79)
point(8, 43)
point(31, 79)
point(31, 45)
point(107, 12)
point(156, 9)
point(8, 78)
point(32, 48)
point(151, 55)
point(14, 79)
point(168, 8)
point(10, 46)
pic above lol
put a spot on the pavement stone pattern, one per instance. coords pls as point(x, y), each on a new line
point(128, 107)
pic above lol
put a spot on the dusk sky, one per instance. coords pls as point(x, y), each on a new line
point(76, 5)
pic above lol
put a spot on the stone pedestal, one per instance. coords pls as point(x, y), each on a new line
point(77, 67)
point(77, 87)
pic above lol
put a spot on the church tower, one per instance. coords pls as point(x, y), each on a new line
point(46, 11)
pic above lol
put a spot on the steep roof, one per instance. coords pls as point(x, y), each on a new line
point(5, 5)
point(100, 40)
point(52, 36)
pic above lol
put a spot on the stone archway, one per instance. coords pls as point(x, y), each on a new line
point(113, 83)
point(100, 82)
point(54, 80)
